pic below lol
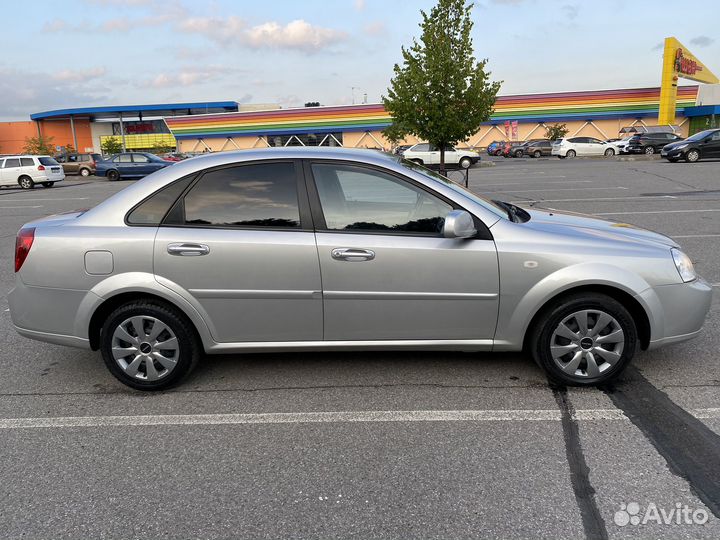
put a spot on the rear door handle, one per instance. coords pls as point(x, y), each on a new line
point(352, 254)
point(185, 249)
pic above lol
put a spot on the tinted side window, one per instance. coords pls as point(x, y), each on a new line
point(260, 195)
point(153, 210)
point(577, 140)
point(123, 158)
point(12, 162)
point(27, 162)
point(423, 147)
point(48, 161)
point(356, 198)
point(139, 158)
point(2, 162)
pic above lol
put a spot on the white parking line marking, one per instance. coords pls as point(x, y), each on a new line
point(658, 212)
point(650, 197)
point(558, 189)
point(697, 236)
point(37, 206)
point(538, 182)
point(59, 199)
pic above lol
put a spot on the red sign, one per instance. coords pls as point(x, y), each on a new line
point(139, 128)
point(514, 130)
point(686, 66)
point(507, 129)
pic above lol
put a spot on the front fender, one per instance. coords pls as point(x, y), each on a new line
point(139, 283)
point(515, 315)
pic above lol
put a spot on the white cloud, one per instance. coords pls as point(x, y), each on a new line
point(376, 28)
point(80, 75)
point(571, 11)
point(190, 76)
point(359, 5)
point(295, 35)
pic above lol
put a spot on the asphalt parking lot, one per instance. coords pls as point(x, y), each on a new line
point(408, 445)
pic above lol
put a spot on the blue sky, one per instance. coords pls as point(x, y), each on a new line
point(108, 52)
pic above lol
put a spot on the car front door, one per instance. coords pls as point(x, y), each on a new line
point(595, 146)
point(240, 244)
point(124, 165)
point(710, 147)
point(387, 271)
point(141, 165)
point(11, 171)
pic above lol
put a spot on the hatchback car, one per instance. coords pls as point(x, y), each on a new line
point(702, 145)
point(130, 165)
point(319, 249)
point(582, 146)
point(428, 154)
point(82, 164)
point(28, 171)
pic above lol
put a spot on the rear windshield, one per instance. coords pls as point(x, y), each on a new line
point(48, 161)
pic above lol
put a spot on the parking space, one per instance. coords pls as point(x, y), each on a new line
point(435, 445)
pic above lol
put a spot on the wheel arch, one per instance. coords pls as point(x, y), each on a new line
point(628, 301)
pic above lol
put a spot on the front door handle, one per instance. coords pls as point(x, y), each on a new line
point(352, 254)
point(185, 249)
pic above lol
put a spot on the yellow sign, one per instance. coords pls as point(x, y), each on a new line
point(678, 62)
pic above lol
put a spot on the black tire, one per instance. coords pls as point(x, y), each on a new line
point(537, 154)
point(609, 152)
point(498, 153)
point(48, 184)
point(113, 175)
point(692, 155)
point(570, 154)
point(518, 153)
point(26, 182)
point(465, 163)
point(550, 319)
point(189, 350)
point(649, 150)
point(561, 157)
point(85, 172)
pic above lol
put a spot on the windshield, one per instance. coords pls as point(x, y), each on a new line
point(700, 135)
point(482, 201)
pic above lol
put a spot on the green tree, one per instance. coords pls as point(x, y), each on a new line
point(556, 131)
point(441, 93)
point(39, 146)
point(70, 149)
point(111, 145)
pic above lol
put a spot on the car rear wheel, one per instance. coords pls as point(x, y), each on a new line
point(571, 154)
point(48, 184)
point(609, 152)
point(498, 153)
point(113, 175)
point(26, 182)
point(84, 172)
point(584, 340)
point(537, 153)
point(649, 150)
point(465, 163)
point(692, 156)
point(149, 345)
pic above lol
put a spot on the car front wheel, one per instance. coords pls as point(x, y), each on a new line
point(692, 156)
point(609, 152)
point(649, 150)
point(585, 340)
point(149, 345)
point(465, 163)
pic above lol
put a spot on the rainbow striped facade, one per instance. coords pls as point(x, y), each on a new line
point(556, 107)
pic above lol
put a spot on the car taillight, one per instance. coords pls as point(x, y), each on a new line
point(23, 243)
point(41, 168)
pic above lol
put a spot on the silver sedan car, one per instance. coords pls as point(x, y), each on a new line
point(333, 249)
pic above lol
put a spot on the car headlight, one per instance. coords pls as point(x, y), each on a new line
point(684, 265)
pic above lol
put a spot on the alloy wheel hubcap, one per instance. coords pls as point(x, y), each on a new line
point(145, 348)
point(587, 343)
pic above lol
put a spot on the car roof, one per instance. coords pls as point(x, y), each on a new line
point(24, 156)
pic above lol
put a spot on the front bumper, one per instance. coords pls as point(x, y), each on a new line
point(677, 311)
point(673, 154)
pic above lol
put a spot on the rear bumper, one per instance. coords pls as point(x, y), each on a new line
point(57, 339)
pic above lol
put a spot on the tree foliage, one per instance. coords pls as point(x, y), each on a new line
point(39, 146)
point(556, 131)
point(440, 93)
point(111, 145)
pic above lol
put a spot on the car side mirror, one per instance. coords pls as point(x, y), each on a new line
point(459, 224)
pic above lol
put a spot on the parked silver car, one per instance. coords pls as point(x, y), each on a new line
point(332, 249)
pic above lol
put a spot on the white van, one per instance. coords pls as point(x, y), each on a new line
point(26, 171)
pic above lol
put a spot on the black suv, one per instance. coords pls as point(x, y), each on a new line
point(650, 143)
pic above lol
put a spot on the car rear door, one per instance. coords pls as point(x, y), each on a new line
point(124, 164)
point(240, 245)
point(711, 146)
point(387, 271)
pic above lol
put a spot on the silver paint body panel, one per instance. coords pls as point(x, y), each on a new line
point(264, 290)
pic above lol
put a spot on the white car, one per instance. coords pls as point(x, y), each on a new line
point(27, 171)
point(621, 144)
point(427, 154)
point(583, 146)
